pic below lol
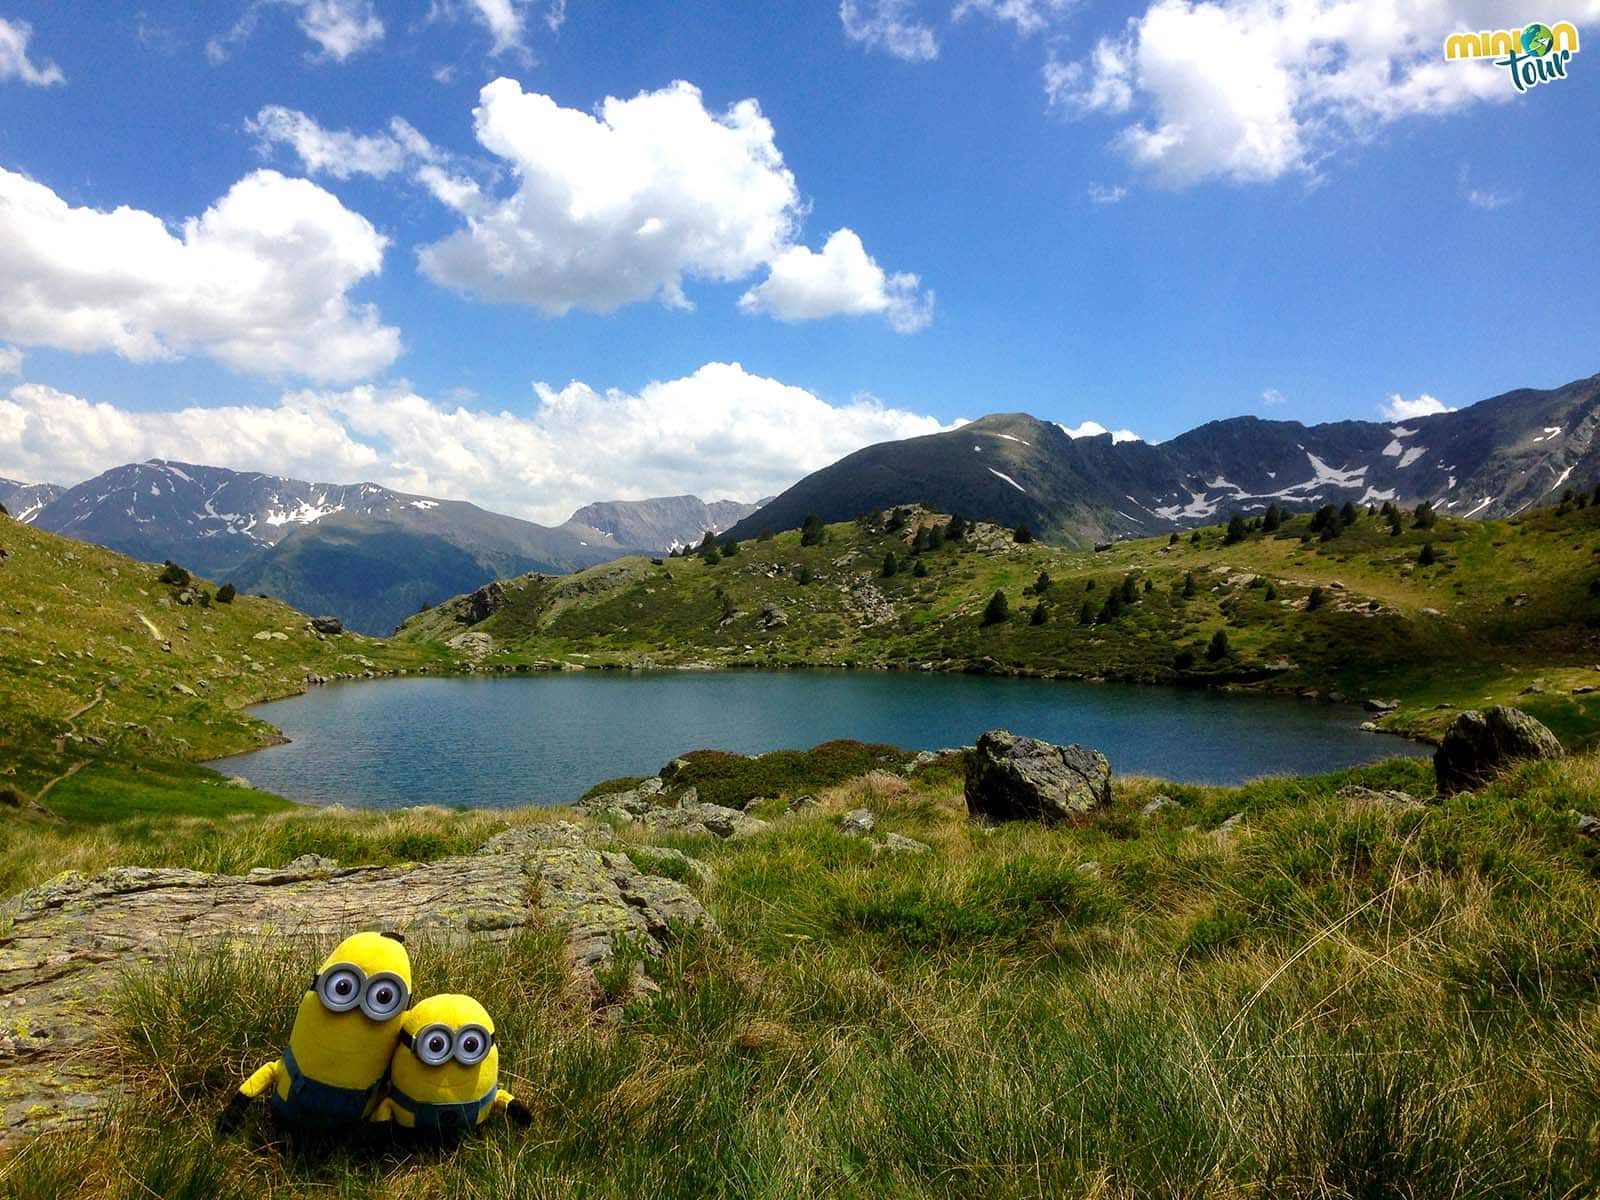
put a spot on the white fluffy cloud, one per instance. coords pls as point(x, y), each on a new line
point(890, 26)
point(259, 282)
point(1252, 90)
point(503, 19)
point(52, 436)
point(720, 433)
point(842, 279)
point(10, 360)
point(1095, 429)
point(1400, 409)
point(627, 204)
point(339, 27)
point(1272, 396)
point(1101, 195)
point(14, 61)
point(340, 153)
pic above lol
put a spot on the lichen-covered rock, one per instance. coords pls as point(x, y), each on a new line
point(692, 817)
point(1479, 744)
point(69, 943)
point(896, 843)
point(1013, 778)
point(858, 822)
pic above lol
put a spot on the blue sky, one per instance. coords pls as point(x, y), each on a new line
point(1146, 215)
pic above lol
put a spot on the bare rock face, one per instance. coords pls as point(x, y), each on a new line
point(1012, 778)
point(68, 944)
point(1479, 744)
point(482, 604)
point(329, 626)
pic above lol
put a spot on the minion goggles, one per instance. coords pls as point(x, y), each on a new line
point(435, 1045)
point(344, 987)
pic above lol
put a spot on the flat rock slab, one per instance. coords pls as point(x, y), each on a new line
point(67, 945)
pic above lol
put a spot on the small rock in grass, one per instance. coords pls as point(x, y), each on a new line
point(1156, 804)
point(858, 822)
point(894, 843)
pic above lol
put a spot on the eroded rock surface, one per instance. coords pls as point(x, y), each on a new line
point(1021, 778)
point(68, 944)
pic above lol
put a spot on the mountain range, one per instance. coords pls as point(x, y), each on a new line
point(374, 556)
point(367, 553)
point(663, 524)
point(1490, 460)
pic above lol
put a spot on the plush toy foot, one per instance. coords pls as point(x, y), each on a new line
point(231, 1117)
point(520, 1113)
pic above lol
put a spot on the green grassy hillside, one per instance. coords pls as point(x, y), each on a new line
point(1506, 609)
point(1344, 995)
point(114, 683)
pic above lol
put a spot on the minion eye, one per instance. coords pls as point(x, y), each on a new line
point(340, 987)
point(385, 995)
point(433, 1046)
point(472, 1045)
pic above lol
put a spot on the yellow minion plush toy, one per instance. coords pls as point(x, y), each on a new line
point(444, 1079)
point(344, 1035)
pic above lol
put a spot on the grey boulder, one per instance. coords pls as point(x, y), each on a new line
point(1011, 778)
point(1479, 744)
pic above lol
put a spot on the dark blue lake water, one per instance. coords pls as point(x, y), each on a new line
point(545, 739)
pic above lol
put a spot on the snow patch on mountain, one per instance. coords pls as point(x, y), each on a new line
point(1198, 507)
point(306, 514)
point(1008, 479)
point(1412, 455)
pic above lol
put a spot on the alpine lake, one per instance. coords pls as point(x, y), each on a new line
point(546, 739)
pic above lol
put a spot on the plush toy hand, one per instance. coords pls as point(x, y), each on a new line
point(520, 1113)
point(230, 1117)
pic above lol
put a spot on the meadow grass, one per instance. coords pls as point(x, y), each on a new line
point(1338, 998)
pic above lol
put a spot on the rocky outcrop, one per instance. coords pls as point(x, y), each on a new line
point(327, 626)
point(482, 604)
point(68, 945)
point(659, 807)
point(1479, 744)
point(1021, 778)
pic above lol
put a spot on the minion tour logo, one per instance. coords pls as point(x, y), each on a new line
point(1534, 55)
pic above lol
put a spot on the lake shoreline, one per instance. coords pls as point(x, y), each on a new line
point(940, 714)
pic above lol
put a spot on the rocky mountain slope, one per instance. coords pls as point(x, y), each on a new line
point(25, 501)
point(661, 524)
point(365, 553)
point(1494, 459)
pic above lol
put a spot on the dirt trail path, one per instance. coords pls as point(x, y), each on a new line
point(72, 719)
point(61, 748)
